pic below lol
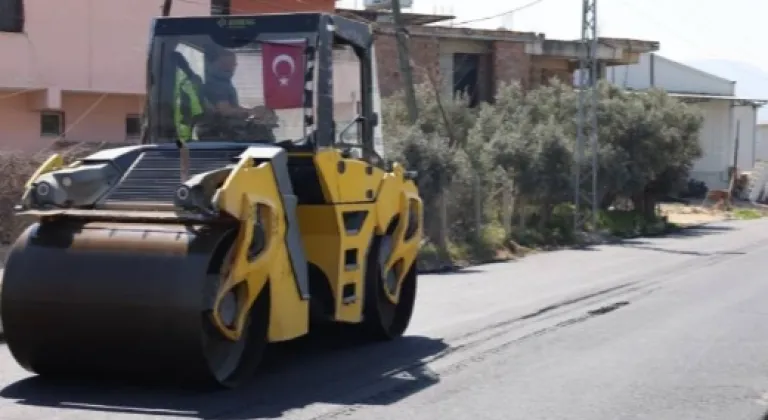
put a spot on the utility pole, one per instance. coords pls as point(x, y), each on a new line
point(405, 62)
point(588, 99)
point(734, 171)
point(166, 10)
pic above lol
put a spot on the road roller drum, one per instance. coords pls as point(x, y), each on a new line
point(129, 299)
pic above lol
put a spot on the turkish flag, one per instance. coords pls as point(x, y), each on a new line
point(283, 73)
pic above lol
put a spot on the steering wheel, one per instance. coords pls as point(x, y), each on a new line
point(253, 119)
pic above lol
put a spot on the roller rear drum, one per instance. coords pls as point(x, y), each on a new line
point(130, 300)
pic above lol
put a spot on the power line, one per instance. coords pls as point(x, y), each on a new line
point(497, 15)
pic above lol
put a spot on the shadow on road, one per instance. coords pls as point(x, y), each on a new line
point(682, 251)
point(459, 271)
point(697, 231)
point(299, 374)
point(649, 243)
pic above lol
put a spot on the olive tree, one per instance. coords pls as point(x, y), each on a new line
point(525, 141)
point(434, 147)
point(649, 142)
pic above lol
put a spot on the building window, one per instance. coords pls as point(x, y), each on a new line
point(51, 124)
point(12, 16)
point(132, 126)
point(221, 7)
point(466, 76)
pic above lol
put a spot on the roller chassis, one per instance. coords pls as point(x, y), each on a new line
point(128, 271)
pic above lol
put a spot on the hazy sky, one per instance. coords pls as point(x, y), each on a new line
point(686, 29)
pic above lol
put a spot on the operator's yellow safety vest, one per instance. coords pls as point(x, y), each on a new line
point(187, 106)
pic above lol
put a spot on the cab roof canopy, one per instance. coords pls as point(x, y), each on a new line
point(353, 32)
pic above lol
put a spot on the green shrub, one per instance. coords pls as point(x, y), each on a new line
point(525, 142)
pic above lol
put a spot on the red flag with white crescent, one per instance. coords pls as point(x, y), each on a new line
point(283, 73)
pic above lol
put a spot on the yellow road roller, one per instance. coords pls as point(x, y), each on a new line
point(259, 203)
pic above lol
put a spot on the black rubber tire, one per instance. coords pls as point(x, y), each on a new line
point(254, 341)
point(383, 320)
point(254, 347)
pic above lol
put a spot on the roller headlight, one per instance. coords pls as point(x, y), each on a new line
point(43, 189)
point(73, 187)
point(182, 194)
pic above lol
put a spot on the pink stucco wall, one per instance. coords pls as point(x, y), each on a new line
point(88, 117)
point(97, 45)
point(73, 51)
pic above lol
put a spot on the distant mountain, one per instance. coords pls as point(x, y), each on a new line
point(751, 81)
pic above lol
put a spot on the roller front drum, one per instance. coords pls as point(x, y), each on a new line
point(133, 300)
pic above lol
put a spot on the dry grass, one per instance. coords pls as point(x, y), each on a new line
point(17, 168)
point(691, 214)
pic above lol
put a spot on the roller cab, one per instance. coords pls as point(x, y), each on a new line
point(184, 256)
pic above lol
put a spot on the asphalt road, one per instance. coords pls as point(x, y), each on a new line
point(666, 328)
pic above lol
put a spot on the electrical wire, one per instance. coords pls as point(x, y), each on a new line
point(83, 116)
point(498, 15)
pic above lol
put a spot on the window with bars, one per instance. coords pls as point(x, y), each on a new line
point(12, 16)
point(132, 126)
point(51, 124)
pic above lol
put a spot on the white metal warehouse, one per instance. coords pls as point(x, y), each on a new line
point(723, 112)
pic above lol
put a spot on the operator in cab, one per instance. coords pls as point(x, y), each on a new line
point(221, 64)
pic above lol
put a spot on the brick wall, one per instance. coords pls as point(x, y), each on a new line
point(543, 69)
point(425, 53)
point(511, 63)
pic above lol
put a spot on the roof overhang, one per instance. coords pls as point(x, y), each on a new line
point(736, 100)
point(637, 46)
point(610, 51)
point(703, 97)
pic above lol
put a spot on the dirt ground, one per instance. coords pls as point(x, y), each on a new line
point(695, 213)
